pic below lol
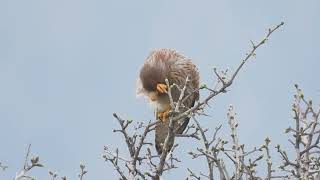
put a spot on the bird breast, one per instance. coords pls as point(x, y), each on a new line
point(161, 104)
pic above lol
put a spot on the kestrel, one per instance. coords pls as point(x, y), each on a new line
point(168, 64)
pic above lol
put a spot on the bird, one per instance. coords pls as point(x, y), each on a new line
point(162, 64)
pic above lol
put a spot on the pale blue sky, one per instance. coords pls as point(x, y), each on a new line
point(67, 65)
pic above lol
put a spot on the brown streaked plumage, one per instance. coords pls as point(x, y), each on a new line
point(159, 65)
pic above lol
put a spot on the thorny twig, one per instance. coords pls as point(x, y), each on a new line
point(27, 167)
point(226, 84)
point(239, 154)
point(83, 171)
point(305, 138)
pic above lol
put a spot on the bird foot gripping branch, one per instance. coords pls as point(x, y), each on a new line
point(163, 116)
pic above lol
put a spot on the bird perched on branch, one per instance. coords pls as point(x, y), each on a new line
point(168, 64)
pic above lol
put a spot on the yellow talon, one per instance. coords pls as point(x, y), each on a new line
point(159, 115)
point(163, 116)
point(162, 88)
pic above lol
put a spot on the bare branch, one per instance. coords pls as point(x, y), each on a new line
point(83, 171)
point(27, 167)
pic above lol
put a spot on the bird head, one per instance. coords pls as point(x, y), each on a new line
point(151, 74)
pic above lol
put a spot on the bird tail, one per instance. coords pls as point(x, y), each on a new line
point(162, 132)
point(183, 125)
